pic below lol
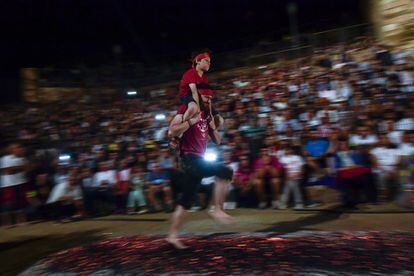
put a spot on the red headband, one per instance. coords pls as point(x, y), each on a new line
point(200, 57)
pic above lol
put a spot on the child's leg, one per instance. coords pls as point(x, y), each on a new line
point(192, 110)
point(141, 198)
point(296, 193)
point(286, 194)
point(131, 201)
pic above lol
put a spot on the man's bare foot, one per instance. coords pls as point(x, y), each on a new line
point(176, 243)
point(221, 217)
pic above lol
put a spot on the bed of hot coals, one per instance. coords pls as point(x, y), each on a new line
point(241, 253)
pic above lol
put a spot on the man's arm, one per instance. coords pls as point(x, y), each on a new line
point(215, 136)
point(213, 127)
point(178, 127)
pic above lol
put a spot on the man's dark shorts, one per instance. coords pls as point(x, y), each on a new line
point(195, 169)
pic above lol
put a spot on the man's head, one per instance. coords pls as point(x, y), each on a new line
point(103, 166)
point(363, 131)
point(244, 161)
point(206, 95)
point(408, 137)
point(314, 134)
point(264, 152)
point(72, 179)
point(343, 144)
point(156, 167)
point(138, 169)
point(16, 149)
point(384, 141)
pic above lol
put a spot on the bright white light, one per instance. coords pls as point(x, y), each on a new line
point(262, 67)
point(160, 117)
point(131, 93)
point(210, 156)
point(64, 157)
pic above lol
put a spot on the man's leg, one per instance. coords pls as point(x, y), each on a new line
point(221, 187)
point(151, 198)
point(177, 221)
point(275, 182)
point(258, 185)
point(190, 185)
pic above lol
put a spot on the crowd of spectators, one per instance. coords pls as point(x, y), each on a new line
point(341, 118)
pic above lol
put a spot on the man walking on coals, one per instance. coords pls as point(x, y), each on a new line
point(192, 146)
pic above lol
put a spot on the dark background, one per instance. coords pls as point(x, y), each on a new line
point(66, 33)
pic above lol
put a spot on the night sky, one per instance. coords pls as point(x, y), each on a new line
point(67, 32)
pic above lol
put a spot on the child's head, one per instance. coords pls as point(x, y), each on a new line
point(289, 150)
point(202, 60)
point(137, 169)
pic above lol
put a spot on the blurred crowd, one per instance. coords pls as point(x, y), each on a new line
point(341, 118)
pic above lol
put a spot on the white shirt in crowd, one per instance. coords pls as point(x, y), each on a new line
point(63, 189)
point(293, 88)
point(104, 176)
point(60, 177)
point(405, 124)
point(8, 180)
point(331, 95)
point(406, 149)
point(345, 91)
point(124, 175)
point(346, 159)
point(293, 165)
point(331, 114)
point(387, 158)
point(395, 137)
point(360, 140)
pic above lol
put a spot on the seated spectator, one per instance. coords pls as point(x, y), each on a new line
point(325, 128)
point(136, 193)
point(406, 177)
point(363, 137)
point(67, 197)
point(90, 190)
point(315, 150)
point(293, 165)
point(243, 182)
point(267, 169)
point(37, 196)
point(351, 175)
point(166, 160)
point(13, 182)
point(407, 145)
point(386, 160)
point(61, 173)
point(395, 136)
point(407, 122)
point(122, 185)
point(159, 185)
point(104, 182)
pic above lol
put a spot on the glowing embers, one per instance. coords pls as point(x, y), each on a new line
point(255, 253)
